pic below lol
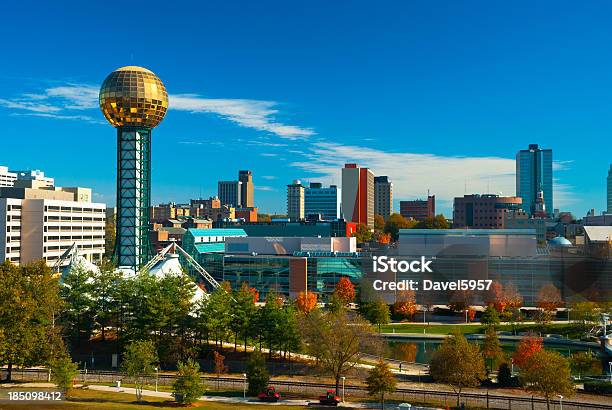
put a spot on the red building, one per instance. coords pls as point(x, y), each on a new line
point(483, 211)
point(419, 209)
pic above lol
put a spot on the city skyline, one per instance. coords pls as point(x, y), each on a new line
point(442, 106)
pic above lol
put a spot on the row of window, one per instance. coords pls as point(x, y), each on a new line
point(72, 219)
point(50, 208)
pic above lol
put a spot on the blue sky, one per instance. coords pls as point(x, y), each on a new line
point(437, 95)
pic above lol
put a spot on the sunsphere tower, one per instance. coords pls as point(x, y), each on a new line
point(134, 100)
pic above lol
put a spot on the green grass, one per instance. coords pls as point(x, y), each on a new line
point(571, 330)
point(92, 399)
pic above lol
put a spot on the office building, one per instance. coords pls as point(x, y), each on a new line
point(419, 209)
point(319, 200)
point(246, 189)
point(483, 211)
point(163, 212)
point(534, 178)
point(608, 184)
point(295, 201)
point(7, 178)
point(519, 219)
point(230, 193)
point(43, 222)
point(358, 195)
point(383, 196)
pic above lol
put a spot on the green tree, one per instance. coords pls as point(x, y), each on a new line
point(458, 364)
point(491, 349)
point(105, 287)
point(490, 317)
point(379, 223)
point(394, 223)
point(110, 235)
point(337, 340)
point(139, 359)
point(215, 316)
point(63, 372)
point(381, 381)
point(362, 233)
point(586, 313)
point(244, 314)
point(436, 222)
point(188, 386)
point(584, 363)
point(29, 305)
point(504, 375)
point(257, 375)
point(271, 322)
point(76, 292)
point(548, 374)
point(376, 312)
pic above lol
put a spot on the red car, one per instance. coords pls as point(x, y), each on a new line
point(330, 398)
point(269, 395)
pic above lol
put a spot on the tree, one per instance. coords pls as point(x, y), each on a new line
point(383, 238)
point(494, 297)
point(139, 360)
point(63, 372)
point(362, 233)
point(585, 362)
point(345, 290)
point(337, 340)
point(379, 223)
point(504, 375)
point(105, 287)
point(491, 349)
point(257, 375)
point(244, 314)
point(110, 234)
point(490, 317)
point(436, 222)
point(381, 381)
point(458, 364)
point(549, 300)
point(306, 302)
point(405, 304)
point(512, 297)
point(547, 373)
point(29, 305)
point(188, 386)
point(528, 346)
point(585, 313)
point(376, 312)
point(76, 292)
point(394, 223)
point(220, 366)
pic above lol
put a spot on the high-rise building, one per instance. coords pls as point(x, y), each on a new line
point(358, 194)
point(246, 189)
point(419, 209)
point(133, 100)
point(322, 201)
point(230, 193)
point(534, 174)
point(383, 196)
point(609, 190)
point(7, 178)
point(483, 211)
point(42, 223)
point(295, 201)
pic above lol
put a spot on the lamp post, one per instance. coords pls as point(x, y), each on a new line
point(156, 377)
point(244, 378)
point(610, 370)
point(343, 379)
point(560, 402)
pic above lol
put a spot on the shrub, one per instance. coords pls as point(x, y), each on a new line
point(257, 375)
point(188, 386)
point(598, 387)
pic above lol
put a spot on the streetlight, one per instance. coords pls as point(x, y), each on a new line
point(560, 402)
point(244, 378)
point(343, 379)
point(610, 370)
point(156, 377)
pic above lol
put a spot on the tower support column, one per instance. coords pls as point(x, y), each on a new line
point(133, 247)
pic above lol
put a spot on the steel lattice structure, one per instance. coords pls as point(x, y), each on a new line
point(133, 248)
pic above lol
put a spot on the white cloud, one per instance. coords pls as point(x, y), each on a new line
point(259, 115)
point(413, 174)
point(264, 188)
point(268, 177)
point(23, 104)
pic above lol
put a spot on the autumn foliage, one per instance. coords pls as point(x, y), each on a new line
point(405, 305)
point(528, 346)
point(306, 302)
point(345, 290)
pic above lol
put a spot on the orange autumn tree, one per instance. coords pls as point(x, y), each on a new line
point(526, 348)
point(384, 238)
point(345, 290)
point(306, 302)
point(495, 297)
point(405, 304)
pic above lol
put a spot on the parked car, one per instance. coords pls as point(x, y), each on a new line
point(329, 398)
point(269, 395)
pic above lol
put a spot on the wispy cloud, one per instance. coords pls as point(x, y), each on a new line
point(268, 177)
point(414, 174)
point(264, 188)
point(268, 154)
point(255, 114)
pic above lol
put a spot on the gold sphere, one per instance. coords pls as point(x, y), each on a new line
point(133, 96)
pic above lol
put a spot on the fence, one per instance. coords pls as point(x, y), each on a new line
point(290, 388)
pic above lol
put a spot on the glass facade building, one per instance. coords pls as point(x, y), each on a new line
point(534, 173)
point(323, 201)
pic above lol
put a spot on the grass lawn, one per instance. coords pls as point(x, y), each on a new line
point(571, 330)
point(92, 399)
